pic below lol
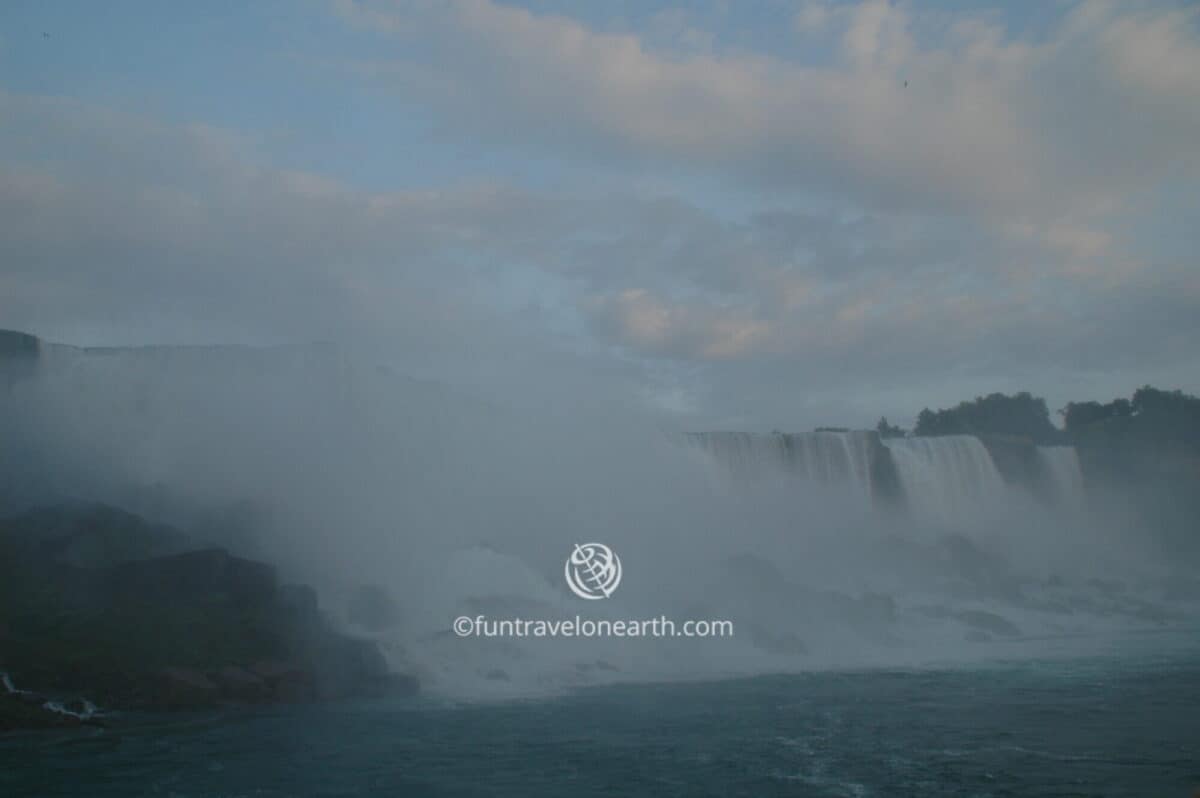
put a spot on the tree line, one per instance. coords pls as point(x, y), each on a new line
point(1150, 415)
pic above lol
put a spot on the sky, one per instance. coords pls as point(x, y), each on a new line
point(761, 215)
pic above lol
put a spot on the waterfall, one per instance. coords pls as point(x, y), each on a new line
point(945, 479)
point(1060, 464)
point(842, 458)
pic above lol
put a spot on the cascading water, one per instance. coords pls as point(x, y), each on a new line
point(839, 458)
point(1060, 464)
point(948, 481)
point(356, 476)
point(945, 479)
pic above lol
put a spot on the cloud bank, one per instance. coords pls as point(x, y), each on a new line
point(896, 207)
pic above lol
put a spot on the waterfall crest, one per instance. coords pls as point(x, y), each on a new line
point(842, 458)
point(943, 481)
point(1060, 464)
point(947, 478)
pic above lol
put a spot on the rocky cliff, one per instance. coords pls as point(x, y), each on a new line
point(101, 605)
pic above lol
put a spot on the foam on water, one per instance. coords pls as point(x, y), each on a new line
point(86, 709)
point(9, 687)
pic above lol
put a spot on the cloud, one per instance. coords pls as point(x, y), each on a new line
point(886, 248)
point(813, 16)
point(1067, 125)
point(644, 322)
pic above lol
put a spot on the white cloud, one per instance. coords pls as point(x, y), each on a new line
point(988, 123)
point(683, 330)
point(972, 227)
point(813, 16)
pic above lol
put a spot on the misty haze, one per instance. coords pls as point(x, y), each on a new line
point(485, 397)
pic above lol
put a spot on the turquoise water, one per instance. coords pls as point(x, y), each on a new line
point(1082, 727)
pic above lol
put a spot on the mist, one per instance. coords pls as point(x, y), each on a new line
point(357, 356)
point(344, 473)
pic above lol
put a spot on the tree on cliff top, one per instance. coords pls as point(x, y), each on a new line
point(1022, 415)
point(1079, 415)
point(1152, 415)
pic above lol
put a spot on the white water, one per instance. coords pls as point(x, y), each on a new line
point(841, 458)
point(11, 688)
point(87, 710)
point(1061, 466)
point(458, 507)
point(946, 479)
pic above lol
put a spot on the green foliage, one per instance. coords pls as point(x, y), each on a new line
point(1078, 415)
point(1150, 416)
point(887, 430)
point(1021, 415)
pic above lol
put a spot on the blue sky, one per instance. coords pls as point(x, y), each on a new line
point(735, 214)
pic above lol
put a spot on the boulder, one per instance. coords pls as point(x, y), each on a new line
point(373, 609)
point(208, 575)
point(19, 714)
point(403, 684)
point(19, 354)
point(240, 684)
point(347, 667)
point(85, 612)
point(86, 535)
point(299, 601)
point(287, 681)
point(183, 688)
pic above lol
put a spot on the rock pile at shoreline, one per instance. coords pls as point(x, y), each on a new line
point(99, 603)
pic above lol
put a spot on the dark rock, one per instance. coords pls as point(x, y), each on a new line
point(77, 706)
point(19, 353)
point(195, 576)
point(346, 667)
point(886, 490)
point(183, 688)
point(17, 714)
point(86, 535)
point(15, 345)
point(287, 681)
point(300, 601)
point(984, 574)
point(1016, 458)
point(165, 632)
point(240, 684)
point(373, 609)
point(403, 684)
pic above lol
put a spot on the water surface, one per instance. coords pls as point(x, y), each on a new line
point(1112, 726)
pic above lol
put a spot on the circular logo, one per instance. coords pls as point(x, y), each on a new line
point(593, 571)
